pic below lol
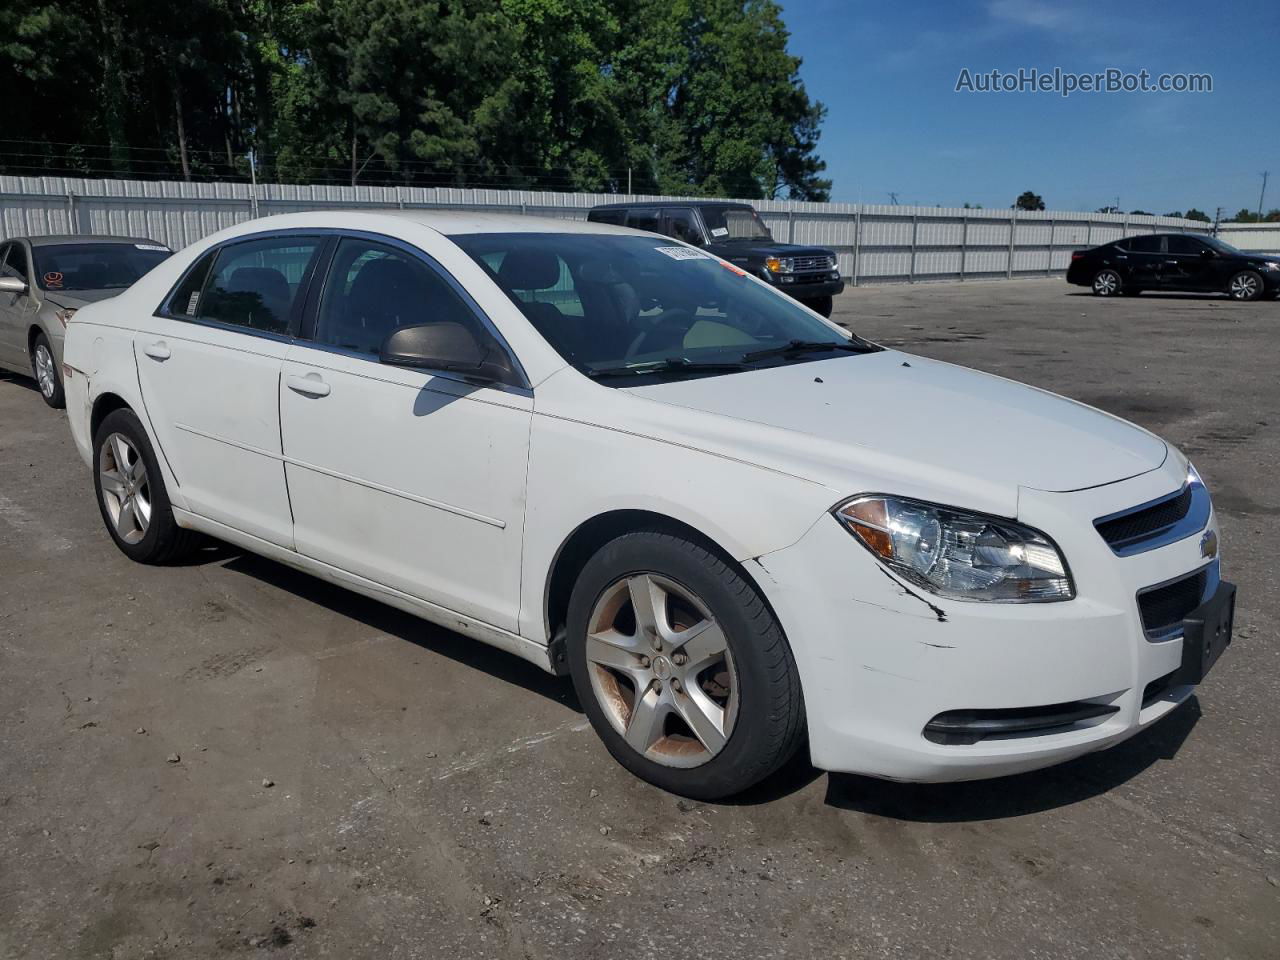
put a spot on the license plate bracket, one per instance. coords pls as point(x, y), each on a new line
point(1206, 632)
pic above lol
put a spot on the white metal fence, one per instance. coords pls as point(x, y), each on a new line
point(874, 243)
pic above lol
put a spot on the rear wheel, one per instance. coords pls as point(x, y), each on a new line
point(1106, 283)
point(1245, 285)
point(45, 370)
point(822, 305)
point(131, 493)
point(681, 667)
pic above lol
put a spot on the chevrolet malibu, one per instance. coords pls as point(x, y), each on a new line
point(735, 526)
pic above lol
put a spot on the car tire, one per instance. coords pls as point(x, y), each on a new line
point(1131, 291)
point(131, 493)
point(1107, 283)
point(45, 370)
point(1245, 285)
point(822, 305)
point(722, 705)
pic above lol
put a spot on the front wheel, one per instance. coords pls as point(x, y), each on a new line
point(46, 373)
point(131, 492)
point(822, 305)
point(681, 667)
point(1106, 283)
point(1245, 285)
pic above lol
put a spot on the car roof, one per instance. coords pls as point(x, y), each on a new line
point(63, 239)
point(737, 204)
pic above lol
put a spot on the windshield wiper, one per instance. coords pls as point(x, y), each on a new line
point(669, 365)
point(797, 347)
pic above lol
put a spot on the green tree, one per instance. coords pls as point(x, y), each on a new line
point(1245, 215)
point(1194, 214)
point(1027, 200)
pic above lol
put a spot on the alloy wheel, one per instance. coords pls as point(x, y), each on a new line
point(661, 669)
point(1244, 286)
point(126, 491)
point(1106, 283)
point(45, 375)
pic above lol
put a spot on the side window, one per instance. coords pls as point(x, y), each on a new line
point(15, 263)
point(373, 288)
point(1148, 244)
point(1186, 245)
point(255, 284)
point(644, 220)
point(616, 217)
point(4, 253)
point(185, 299)
point(682, 225)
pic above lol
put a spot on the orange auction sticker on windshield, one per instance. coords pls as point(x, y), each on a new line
point(732, 269)
point(53, 280)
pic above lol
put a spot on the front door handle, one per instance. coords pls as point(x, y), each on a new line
point(311, 385)
point(158, 350)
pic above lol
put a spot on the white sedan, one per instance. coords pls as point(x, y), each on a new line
point(736, 527)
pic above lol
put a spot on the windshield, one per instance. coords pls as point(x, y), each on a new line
point(620, 305)
point(735, 223)
point(1219, 245)
point(95, 266)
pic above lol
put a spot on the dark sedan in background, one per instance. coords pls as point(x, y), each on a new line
point(1175, 261)
point(44, 280)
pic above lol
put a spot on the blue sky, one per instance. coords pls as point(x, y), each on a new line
point(887, 73)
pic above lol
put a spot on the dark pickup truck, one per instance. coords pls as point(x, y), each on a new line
point(735, 232)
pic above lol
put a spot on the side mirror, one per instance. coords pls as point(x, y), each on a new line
point(446, 346)
point(12, 285)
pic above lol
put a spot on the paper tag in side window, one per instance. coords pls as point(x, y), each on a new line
point(684, 253)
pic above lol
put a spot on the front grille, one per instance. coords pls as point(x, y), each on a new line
point(1145, 523)
point(801, 264)
point(1164, 608)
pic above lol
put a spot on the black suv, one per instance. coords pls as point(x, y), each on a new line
point(1175, 261)
point(735, 232)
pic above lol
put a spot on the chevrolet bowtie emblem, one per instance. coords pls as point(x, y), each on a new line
point(1209, 544)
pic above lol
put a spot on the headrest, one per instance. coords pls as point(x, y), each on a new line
point(530, 270)
point(267, 281)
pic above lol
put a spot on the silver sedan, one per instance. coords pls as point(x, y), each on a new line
point(44, 280)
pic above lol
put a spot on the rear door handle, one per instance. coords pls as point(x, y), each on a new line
point(311, 385)
point(158, 350)
point(1174, 262)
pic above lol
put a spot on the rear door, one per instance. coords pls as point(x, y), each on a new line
point(645, 218)
point(410, 478)
point(209, 368)
point(1145, 256)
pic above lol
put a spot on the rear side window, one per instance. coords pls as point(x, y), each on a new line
point(644, 220)
point(616, 217)
point(185, 299)
point(255, 284)
point(1145, 244)
point(682, 226)
point(373, 289)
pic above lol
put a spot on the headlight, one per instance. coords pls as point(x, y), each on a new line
point(65, 315)
point(831, 263)
point(779, 264)
point(1269, 265)
point(962, 556)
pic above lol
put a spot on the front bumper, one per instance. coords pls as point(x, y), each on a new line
point(803, 287)
point(880, 660)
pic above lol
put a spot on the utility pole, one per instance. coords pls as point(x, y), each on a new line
point(1265, 174)
point(893, 198)
point(1217, 218)
point(628, 181)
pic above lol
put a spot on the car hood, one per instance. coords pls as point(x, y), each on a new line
point(922, 426)
point(75, 299)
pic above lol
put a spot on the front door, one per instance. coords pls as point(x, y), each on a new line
point(209, 368)
point(411, 479)
point(1188, 265)
point(16, 309)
